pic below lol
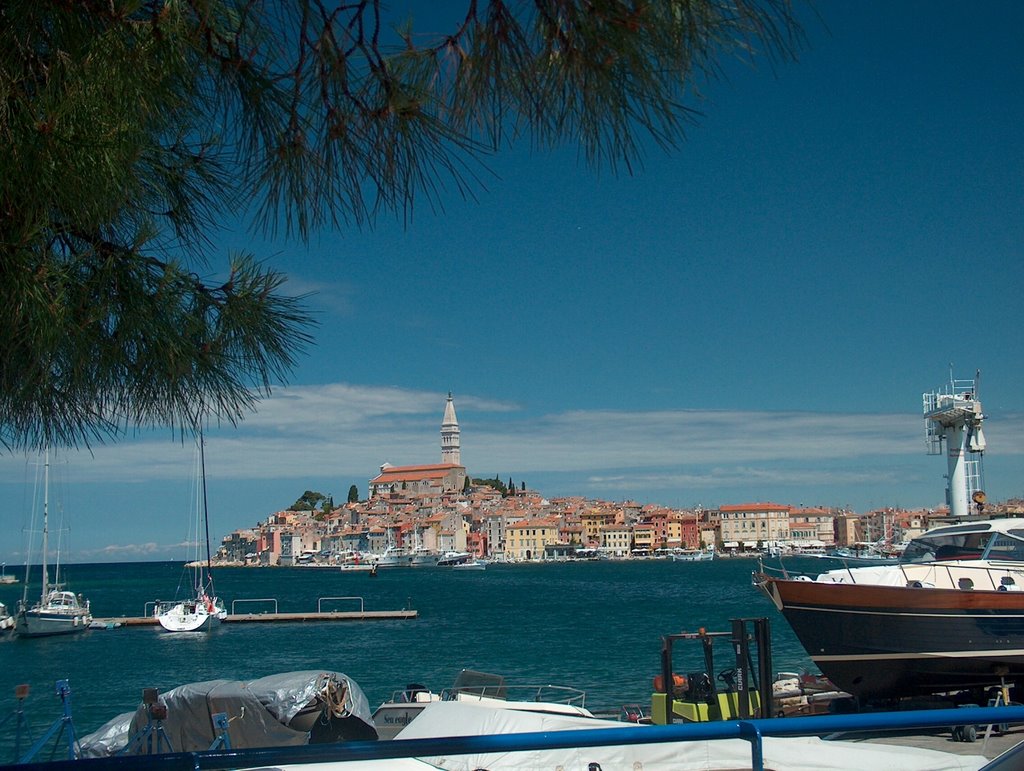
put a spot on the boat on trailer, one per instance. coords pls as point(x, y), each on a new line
point(949, 614)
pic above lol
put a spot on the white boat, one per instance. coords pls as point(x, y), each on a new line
point(692, 555)
point(6, 619)
point(444, 718)
point(423, 557)
point(861, 556)
point(483, 689)
point(193, 615)
point(202, 609)
point(452, 558)
point(58, 611)
point(359, 567)
point(4, 578)
point(394, 557)
point(472, 564)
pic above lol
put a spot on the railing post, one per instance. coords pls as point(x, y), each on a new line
point(752, 734)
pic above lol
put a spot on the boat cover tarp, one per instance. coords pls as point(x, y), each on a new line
point(259, 713)
point(793, 754)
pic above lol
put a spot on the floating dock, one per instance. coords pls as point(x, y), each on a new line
point(269, 618)
point(272, 616)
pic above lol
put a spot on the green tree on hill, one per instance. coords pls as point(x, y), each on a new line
point(495, 484)
point(307, 501)
point(353, 494)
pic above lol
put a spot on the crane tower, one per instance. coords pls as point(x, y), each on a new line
point(953, 417)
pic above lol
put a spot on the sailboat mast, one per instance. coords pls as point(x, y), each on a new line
point(46, 514)
point(206, 517)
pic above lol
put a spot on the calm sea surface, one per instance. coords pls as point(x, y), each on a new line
point(593, 625)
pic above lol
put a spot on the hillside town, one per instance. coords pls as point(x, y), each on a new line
point(436, 509)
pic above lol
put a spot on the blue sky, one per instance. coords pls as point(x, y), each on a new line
point(753, 316)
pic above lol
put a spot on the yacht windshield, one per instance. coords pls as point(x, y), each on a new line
point(953, 546)
point(966, 546)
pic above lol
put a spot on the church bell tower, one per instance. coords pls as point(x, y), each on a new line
point(450, 434)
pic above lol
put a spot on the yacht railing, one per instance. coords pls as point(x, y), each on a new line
point(752, 731)
point(998, 577)
point(554, 694)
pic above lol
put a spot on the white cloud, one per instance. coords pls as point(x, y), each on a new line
point(120, 551)
point(304, 432)
point(717, 478)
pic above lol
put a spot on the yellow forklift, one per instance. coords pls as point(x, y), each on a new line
point(739, 692)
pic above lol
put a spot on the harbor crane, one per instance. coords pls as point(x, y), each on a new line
point(952, 421)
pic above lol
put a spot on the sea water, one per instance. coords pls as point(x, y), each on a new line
point(593, 625)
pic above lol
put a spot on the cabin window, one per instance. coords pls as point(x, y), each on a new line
point(1006, 547)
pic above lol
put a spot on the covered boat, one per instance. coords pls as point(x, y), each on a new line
point(798, 753)
point(292, 708)
point(949, 615)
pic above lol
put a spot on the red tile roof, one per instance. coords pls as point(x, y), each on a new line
point(756, 507)
point(400, 473)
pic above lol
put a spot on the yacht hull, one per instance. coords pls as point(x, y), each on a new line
point(879, 642)
point(34, 623)
point(188, 617)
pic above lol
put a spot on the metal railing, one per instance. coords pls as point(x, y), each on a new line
point(258, 599)
point(320, 601)
point(752, 731)
point(519, 692)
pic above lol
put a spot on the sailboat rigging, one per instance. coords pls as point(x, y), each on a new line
point(58, 611)
point(203, 609)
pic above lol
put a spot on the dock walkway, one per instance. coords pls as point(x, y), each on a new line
point(269, 618)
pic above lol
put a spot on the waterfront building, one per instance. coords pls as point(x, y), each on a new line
point(690, 532)
point(476, 543)
point(356, 539)
point(291, 548)
point(493, 526)
point(846, 528)
point(812, 527)
point(572, 533)
point(643, 537)
point(616, 539)
point(525, 540)
point(594, 519)
point(377, 540)
point(239, 547)
point(749, 525)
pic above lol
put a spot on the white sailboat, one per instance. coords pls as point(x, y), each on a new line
point(58, 611)
point(202, 609)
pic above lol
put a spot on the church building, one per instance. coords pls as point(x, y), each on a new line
point(447, 476)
